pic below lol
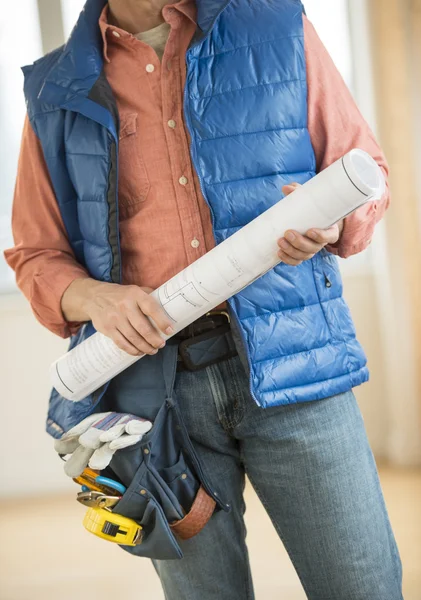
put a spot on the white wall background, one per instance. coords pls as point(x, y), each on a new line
point(28, 463)
point(17, 47)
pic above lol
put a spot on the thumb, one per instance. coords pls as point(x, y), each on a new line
point(124, 442)
point(101, 458)
point(290, 187)
point(78, 461)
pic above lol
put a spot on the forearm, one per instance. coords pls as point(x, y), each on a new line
point(43, 278)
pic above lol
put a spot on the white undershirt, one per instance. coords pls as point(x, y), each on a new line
point(156, 38)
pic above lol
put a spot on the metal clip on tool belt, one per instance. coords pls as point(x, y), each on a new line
point(209, 342)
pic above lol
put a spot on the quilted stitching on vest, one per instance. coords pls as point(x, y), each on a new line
point(246, 105)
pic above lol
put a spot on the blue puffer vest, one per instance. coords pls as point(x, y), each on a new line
point(245, 107)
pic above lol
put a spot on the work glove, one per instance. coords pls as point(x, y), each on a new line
point(94, 440)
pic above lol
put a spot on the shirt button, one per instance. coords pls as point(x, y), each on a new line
point(171, 123)
point(150, 68)
point(116, 34)
point(183, 180)
point(195, 243)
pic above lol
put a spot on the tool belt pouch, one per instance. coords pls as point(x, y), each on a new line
point(207, 348)
point(167, 491)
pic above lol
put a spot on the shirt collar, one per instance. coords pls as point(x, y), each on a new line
point(185, 7)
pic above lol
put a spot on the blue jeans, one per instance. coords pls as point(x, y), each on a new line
point(313, 470)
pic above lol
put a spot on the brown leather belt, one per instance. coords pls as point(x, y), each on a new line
point(195, 520)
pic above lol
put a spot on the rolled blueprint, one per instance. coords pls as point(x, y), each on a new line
point(229, 267)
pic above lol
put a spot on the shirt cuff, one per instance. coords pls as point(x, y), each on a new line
point(346, 251)
point(357, 231)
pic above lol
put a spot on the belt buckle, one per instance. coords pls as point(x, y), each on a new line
point(219, 312)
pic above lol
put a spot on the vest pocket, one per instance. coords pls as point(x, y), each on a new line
point(133, 185)
point(332, 278)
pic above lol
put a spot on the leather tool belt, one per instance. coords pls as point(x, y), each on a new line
point(168, 491)
point(205, 342)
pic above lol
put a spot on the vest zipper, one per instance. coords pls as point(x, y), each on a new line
point(194, 160)
point(116, 141)
point(241, 332)
point(328, 283)
point(193, 148)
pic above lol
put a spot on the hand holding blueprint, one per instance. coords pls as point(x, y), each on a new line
point(229, 267)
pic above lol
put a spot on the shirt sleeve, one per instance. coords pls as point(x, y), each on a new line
point(336, 126)
point(42, 257)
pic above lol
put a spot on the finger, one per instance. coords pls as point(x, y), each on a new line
point(138, 338)
point(83, 426)
point(78, 461)
point(324, 236)
point(66, 446)
point(114, 432)
point(101, 458)
point(91, 438)
point(125, 441)
point(289, 249)
point(301, 242)
point(289, 188)
point(124, 344)
point(151, 308)
point(138, 427)
point(288, 260)
point(144, 328)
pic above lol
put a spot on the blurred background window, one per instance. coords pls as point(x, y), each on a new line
point(337, 39)
point(71, 10)
point(19, 45)
point(41, 29)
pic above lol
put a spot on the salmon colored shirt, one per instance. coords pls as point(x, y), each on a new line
point(164, 220)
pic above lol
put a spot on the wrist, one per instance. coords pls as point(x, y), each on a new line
point(77, 299)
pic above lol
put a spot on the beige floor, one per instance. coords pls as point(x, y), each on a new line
point(46, 554)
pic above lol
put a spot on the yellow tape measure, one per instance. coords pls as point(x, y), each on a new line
point(113, 527)
point(99, 518)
